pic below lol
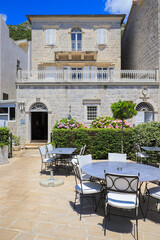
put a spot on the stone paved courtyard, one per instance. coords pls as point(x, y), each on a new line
point(29, 211)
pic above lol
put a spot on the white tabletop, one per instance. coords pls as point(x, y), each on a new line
point(65, 151)
point(147, 173)
point(155, 149)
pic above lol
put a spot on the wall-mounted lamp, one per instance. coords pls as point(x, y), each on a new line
point(69, 116)
point(21, 106)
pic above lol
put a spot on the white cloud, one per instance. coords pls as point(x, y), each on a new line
point(118, 6)
point(4, 16)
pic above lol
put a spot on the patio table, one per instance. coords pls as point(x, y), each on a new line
point(65, 154)
point(147, 173)
point(63, 151)
point(155, 149)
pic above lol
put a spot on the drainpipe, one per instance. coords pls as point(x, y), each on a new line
point(157, 74)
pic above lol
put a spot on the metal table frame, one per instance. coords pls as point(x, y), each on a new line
point(61, 160)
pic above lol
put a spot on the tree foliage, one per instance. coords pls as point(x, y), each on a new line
point(123, 110)
point(21, 31)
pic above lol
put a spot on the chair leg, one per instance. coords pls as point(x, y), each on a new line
point(81, 202)
point(75, 199)
point(97, 205)
point(137, 222)
point(147, 207)
point(105, 217)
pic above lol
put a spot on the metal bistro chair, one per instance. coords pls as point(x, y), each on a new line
point(83, 160)
point(153, 192)
point(122, 193)
point(117, 157)
point(44, 158)
point(49, 149)
point(74, 160)
point(84, 189)
point(139, 154)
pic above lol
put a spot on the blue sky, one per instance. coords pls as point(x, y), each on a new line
point(14, 12)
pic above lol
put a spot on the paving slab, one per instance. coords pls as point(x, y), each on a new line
point(29, 211)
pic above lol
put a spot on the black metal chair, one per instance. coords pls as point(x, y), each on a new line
point(44, 158)
point(122, 193)
point(84, 188)
point(153, 192)
point(139, 154)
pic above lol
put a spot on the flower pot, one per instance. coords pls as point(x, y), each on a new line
point(4, 155)
point(16, 148)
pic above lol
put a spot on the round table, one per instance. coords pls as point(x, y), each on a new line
point(147, 173)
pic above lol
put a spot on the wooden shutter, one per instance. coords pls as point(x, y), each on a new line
point(50, 72)
point(47, 36)
point(98, 36)
point(66, 73)
point(86, 73)
point(101, 36)
point(94, 72)
point(50, 36)
point(149, 116)
point(139, 118)
point(104, 36)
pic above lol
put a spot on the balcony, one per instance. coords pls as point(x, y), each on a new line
point(103, 76)
point(76, 56)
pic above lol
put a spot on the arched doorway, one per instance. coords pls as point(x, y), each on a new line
point(39, 122)
point(145, 113)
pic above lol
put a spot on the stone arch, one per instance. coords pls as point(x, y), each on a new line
point(34, 101)
point(44, 106)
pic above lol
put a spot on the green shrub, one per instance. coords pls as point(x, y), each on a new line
point(16, 140)
point(66, 123)
point(148, 134)
point(108, 122)
point(4, 136)
point(100, 142)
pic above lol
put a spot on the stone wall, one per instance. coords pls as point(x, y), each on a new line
point(59, 98)
point(43, 53)
point(12, 126)
point(9, 54)
point(140, 42)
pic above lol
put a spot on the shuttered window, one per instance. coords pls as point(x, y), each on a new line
point(50, 36)
point(102, 36)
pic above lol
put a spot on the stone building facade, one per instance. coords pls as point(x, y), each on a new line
point(140, 41)
point(12, 58)
point(76, 70)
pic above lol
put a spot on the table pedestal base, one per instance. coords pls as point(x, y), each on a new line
point(51, 183)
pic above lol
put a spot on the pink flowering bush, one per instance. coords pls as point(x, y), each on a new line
point(66, 123)
point(108, 122)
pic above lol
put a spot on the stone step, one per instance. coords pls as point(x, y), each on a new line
point(34, 145)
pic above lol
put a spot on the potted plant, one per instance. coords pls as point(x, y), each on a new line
point(123, 110)
point(16, 143)
point(4, 142)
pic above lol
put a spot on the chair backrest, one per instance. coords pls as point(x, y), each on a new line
point(77, 173)
point(43, 152)
point(49, 147)
point(84, 159)
point(137, 147)
point(84, 148)
point(121, 183)
point(121, 157)
point(80, 153)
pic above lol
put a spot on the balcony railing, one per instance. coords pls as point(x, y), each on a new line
point(110, 75)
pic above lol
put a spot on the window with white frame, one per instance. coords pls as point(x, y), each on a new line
point(76, 73)
point(76, 39)
point(102, 36)
point(145, 113)
point(6, 114)
point(50, 37)
point(91, 112)
point(102, 73)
